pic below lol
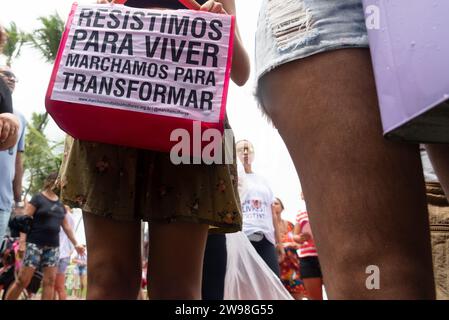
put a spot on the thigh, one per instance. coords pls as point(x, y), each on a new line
point(359, 187)
point(49, 275)
point(314, 288)
point(26, 274)
point(176, 260)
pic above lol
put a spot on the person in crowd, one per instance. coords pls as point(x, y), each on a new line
point(315, 82)
point(289, 265)
point(9, 122)
point(80, 274)
point(259, 222)
point(41, 244)
point(65, 252)
point(11, 166)
point(117, 187)
point(308, 257)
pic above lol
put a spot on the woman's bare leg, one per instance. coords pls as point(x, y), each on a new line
point(297, 296)
point(314, 288)
point(22, 281)
point(113, 262)
point(176, 260)
point(365, 195)
point(60, 292)
point(48, 283)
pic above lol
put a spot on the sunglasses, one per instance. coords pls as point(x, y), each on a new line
point(9, 75)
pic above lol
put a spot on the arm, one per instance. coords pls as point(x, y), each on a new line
point(18, 177)
point(298, 236)
point(277, 235)
point(240, 63)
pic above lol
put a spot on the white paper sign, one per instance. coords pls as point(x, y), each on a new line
point(163, 62)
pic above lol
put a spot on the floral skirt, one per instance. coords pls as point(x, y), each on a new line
point(128, 184)
point(290, 272)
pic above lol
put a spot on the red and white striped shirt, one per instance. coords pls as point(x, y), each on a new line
point(307, 249)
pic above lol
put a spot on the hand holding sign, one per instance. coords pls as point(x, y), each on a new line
point(213, 6)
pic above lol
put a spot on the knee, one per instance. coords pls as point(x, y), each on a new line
point(175, 289)
point(106, 281)
point(175, 292)
point(59, 286)
point(49, 281)
point(22, 282)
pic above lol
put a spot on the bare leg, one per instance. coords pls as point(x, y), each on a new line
point(314, 288)
point(76, 284)
point(297, 296)
point(176, 260)
point(60, 287)
point(22, 281)
point(365, 195)
point(83, 285)
point(439, 156)
point(113, 261)
point(48, 283)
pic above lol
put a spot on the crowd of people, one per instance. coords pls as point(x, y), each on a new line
point(365, 195)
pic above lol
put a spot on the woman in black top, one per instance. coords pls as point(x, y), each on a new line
point(41, 244)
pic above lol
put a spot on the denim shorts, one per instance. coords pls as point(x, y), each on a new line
point(81, 270)
point(40, 256)
point(293, 29)
point(63, 263)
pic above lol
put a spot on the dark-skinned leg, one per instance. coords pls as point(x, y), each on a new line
point(365, 195)
point(176, 260)
point(113, 262)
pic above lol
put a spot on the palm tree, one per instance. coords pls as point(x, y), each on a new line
point(43, 156)
point(14, 42)
point(46, 39)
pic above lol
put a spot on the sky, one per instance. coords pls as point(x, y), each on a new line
point(272, 159)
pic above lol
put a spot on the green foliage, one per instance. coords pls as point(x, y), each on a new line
point(16, 39)
point(41, 156)
point(46, 39)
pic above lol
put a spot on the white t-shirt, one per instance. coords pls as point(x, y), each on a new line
point(256, 198)
point(65, 246)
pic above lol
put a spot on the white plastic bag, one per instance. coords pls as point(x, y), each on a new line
point(248, 277)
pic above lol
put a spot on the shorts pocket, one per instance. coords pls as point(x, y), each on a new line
point(290, 23)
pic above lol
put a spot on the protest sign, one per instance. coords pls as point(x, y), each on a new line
point(130, 76)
